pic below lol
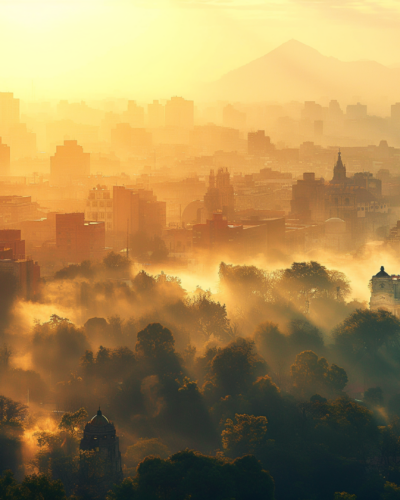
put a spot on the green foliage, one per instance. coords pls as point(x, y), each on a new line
point(188, 474)
point(245, 435)
point(70, 422)
point(235, 367)
point(344, 496)
point(210, 317)
point(311, 374)
point(11, 410)
point(311, 279)
point(33, 487)
point(155, 340)
point(364, 332)
point(391, 492)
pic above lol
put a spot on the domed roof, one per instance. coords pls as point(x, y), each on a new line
point(99, 419)
point(335, 225)
point(382, 273)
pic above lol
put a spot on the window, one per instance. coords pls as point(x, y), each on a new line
point(102, 203)
point(109, 203)
point(109, 215)
point(347, 202)
point(108, 225)
point(94, 203)
point(102, 215)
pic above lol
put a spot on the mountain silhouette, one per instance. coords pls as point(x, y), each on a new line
point(295, 71)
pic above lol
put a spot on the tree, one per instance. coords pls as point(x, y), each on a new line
point(236, 367)
point(33, 487)
point(311, 374)
point(244, 436)
point(210, 317)
point(70, 422)
point(116, 262)
point(188, 474)
point(306, 280)
point(364, 332)
point(155, 340)
point(344, 496)
point(12, 410)
point(391, 491)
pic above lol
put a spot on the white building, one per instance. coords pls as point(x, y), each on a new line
point(385, 292)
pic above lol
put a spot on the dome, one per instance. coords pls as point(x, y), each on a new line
point(335, 225)
point(99, 419)
point(189, 214)
point(382, 273)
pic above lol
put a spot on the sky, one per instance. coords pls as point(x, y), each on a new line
point(147, 49)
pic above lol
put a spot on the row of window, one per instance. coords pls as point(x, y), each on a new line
point(99, 215)
point(99, 203)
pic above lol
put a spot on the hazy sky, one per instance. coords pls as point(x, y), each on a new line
point(155, 48)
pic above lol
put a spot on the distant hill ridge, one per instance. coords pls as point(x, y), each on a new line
point(295, 71)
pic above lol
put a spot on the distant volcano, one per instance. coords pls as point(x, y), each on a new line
point(295, 71)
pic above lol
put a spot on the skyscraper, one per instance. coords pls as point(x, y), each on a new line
point(179, 113)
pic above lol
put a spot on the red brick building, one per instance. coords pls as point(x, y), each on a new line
point(10, 239)
point(77, 239)
point(138, 210)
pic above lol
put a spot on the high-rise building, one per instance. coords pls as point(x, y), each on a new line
point(69, 162)
point(26, 273)
point(137, 210)
point(77, 239)
point(156, 114)
point(10, 239)
point(220, 194)
point(99, 206)
point(126, 139)
point(179, 113)
point(9, 110)
point(356, 111)
point(4, 159)
point(258, 144)
point(134, 115)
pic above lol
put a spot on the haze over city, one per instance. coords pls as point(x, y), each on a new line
point(199, 250)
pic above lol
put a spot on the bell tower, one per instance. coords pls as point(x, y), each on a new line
point(100, 437)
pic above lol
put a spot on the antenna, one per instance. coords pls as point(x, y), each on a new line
point(127, 238)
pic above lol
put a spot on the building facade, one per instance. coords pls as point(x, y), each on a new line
point(385, 292)
point(77, 239)
point(99, 206)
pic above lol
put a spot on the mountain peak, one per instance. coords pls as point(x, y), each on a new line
point(294, 47)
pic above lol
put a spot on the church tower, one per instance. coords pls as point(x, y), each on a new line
point(100, 436)
point(339, 171)
point(385, 292)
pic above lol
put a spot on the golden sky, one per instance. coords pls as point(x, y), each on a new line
point(155, 48)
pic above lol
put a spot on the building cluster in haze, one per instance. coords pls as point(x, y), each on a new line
point(172, 180)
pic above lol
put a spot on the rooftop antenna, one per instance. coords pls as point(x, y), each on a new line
point(127, 238)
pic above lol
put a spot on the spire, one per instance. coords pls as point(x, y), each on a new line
point(99, 414)
point(339, 171)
